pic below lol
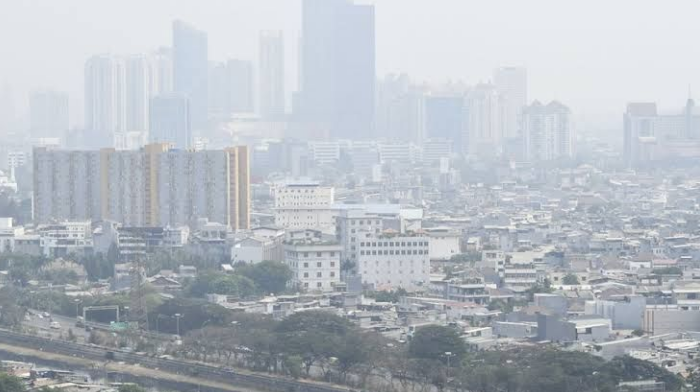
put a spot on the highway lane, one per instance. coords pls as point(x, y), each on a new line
point(187, 369)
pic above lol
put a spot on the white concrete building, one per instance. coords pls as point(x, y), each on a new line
point(390, 261)
point(314, 260)
point(305, 206)
point(66, 238)
point(444, 243)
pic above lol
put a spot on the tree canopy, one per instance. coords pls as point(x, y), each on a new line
point(434, 341)
point(11, 384)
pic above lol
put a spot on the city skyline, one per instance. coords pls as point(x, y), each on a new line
point(579, 77)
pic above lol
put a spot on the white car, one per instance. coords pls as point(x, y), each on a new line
point(55, 325)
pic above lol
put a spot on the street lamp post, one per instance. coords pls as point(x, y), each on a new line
point(77, 306)
point(177, 322)
point(449, 355)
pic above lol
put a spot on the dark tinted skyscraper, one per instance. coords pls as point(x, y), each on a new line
point(191, 70)
point(170, 120)
point(338, 66)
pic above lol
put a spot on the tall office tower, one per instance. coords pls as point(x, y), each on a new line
point(48, 114)
point(191, 70)
point(231, 88)
point(338, 67)
point(400, 113)
point(163, 63)
point(547, 132)
point(141, 86)
point(271, 75)
point(105, 100)
point(152, 186)
point(240, 73)
point(170, 120)
point(511, 84)
point(445, 118)
point(66, 185)
point(485, 134)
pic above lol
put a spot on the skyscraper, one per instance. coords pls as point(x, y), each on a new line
point(141, 85)
point(484, 130)
point(547, 132)
point(105, 100)
point(191, 70)
point(445, 118)
point(170, 120)
point(338, 66)
point(511, 84)
point(48, 114)
point(271, 75)
point(230, 88)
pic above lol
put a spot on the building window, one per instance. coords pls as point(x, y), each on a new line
point(306, 254)
point(332, 254)
point(319, 274)
point(332, 263)
point(319, 264)
point(306, 274)
point(306, 284)
point(319, 254)
point(319, 284)
point(306, 265)
point(332, 274)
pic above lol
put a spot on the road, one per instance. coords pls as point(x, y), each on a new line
point(135, 364)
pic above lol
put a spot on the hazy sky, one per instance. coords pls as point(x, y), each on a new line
point(594, 55)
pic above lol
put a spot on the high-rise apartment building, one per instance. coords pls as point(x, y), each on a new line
point(66, 185)
point(170, 120)
point(511, 85)
point(191, 69)
point(141, 86)
point(105, 100)
point(547, 132)
point(48, 114)
point(153, 186)
point(484, 131)
point(338, 67)
point(271, 75)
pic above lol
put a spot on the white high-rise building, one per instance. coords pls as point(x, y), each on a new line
point(547, 132)
point(484, 130)
point(271, 75)
point(105, 100)
point(511, 84)
point(142, 85)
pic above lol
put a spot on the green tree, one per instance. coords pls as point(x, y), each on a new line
point(570, 280)
point(11, 384)
point(433, 341)
point(216, 283)
point(270, 277)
